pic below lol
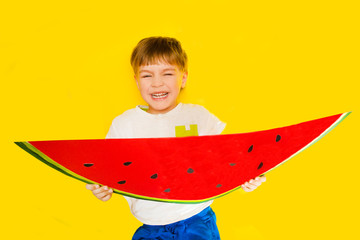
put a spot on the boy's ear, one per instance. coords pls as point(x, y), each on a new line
point(137, 84)
point(183, 82)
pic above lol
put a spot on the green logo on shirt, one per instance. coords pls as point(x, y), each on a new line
point(181, 131)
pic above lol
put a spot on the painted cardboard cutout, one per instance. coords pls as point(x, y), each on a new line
point(188, 169)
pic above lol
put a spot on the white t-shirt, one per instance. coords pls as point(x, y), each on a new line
point(183, 120)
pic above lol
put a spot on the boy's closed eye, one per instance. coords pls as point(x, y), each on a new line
point(146, 76)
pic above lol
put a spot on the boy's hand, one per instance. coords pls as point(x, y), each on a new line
point(253, 183)
point(103, 193)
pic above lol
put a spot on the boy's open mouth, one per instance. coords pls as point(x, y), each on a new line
point(159, 95)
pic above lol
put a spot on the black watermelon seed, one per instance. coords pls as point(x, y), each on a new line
point(127, 163)
point(121, 182)
point(154, 176)
point(232, 164)
point(250, 148)
point(190, 170)
point(260, 165)
point(167, 190)
point(88, 164)
point(219, 185)
point(278, 137)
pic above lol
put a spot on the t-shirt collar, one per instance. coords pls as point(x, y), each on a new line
point(143, 109)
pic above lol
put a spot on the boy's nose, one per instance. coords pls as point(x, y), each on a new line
point(157, 81)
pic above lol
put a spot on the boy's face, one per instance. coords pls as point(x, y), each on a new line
point(160, 85)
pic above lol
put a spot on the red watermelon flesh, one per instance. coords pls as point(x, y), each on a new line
point(183, 169)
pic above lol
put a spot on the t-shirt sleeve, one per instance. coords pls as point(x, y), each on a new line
point(112, 133)
point(212, 124)
point(120, 126)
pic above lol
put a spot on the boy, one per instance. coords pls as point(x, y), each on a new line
point(160, 71)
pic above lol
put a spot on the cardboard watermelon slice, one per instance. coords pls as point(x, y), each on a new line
point(182, 169)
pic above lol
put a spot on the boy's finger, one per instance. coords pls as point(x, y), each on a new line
point(245, 188)
point(101, 194)
point(252, 183)
point(257, 183)
point(248, 185)
point(100, 190)
point(263, 178)
point(104, 193)
point(107, 197)
point(252, 186)
point(91, 186)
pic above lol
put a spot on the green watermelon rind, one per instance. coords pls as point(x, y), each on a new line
point(48, 161)
point(28, 147)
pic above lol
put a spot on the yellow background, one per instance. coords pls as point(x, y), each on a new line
point(65, 74)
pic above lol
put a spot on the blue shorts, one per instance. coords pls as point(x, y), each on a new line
point(201, 226)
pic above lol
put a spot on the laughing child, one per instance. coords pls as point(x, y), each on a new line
point(160, 71)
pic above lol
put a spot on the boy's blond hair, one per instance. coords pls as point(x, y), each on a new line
point(154, 49)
